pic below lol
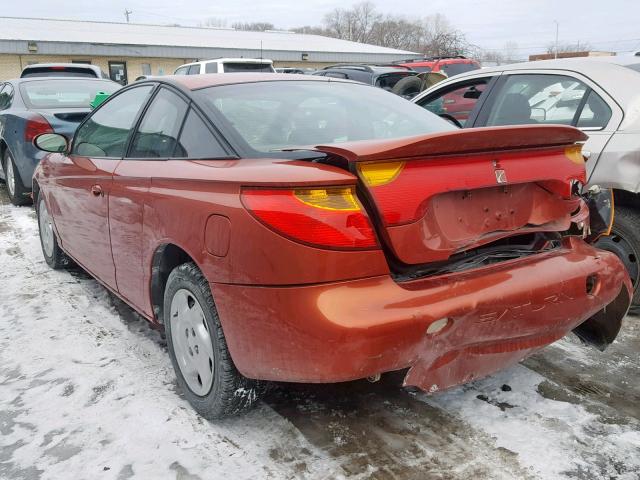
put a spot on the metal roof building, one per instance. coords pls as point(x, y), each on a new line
point(38, 37)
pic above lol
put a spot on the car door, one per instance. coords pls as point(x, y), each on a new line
point(82, 182)
point(153, 143)
point(554, 97)
point(458, 102)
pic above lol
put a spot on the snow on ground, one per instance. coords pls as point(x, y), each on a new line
point(87, 391)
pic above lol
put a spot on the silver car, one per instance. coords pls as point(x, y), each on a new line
point(599, 95)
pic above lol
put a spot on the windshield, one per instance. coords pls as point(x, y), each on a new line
point(236, 67)
point(271, 116)
point(64, 93)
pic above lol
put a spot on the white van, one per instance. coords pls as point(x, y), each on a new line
point(226, 65)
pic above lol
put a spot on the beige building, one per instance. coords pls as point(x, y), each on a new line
point(126, 51)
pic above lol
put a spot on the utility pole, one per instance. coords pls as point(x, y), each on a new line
point(127, 13)
point(557, 28)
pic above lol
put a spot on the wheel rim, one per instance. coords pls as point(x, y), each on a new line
point(191, 341)
point(10, 177)
point(625, 250)
point(46, 228)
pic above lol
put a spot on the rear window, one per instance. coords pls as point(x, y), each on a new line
point(58, 72)
point(239, 67)
point(452, 69)
point(388, 80)
point(64, 93)
point(422, 69)
point(272, 116)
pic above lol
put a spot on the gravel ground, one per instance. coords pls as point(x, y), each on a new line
point(87, 392)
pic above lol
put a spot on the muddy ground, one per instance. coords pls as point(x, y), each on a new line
point(87, 391)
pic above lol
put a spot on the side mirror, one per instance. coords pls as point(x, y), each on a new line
point(51, 142)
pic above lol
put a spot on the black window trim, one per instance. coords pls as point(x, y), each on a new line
point(190, 106)
point(483, 115)
point(154, 87)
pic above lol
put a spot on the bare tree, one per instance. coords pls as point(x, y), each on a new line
point(253, 26)
point(213, 22)
point(355, 24)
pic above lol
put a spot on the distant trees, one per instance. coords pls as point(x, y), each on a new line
point(253, 26)
point(431, 36)
point(569, 47)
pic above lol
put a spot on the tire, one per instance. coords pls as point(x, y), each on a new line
point(53, 254)
point(18, 194)
point(219, 391)
point(408, 86)
point(624, 241)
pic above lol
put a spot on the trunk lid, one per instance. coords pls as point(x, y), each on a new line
point(437, 195)
point(64, 120)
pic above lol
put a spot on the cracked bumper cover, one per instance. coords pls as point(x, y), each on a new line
point(486, 319)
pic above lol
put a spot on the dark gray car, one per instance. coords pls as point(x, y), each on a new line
point(31, 106)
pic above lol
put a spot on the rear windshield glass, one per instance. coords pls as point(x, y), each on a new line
point(230, 67)
point(421, 69)
point(388, 80)
point(58, 72)
point(271, 116)
point(452, 69)
point(64, 93)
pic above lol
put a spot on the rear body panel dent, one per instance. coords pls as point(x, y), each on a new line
point(353, 329)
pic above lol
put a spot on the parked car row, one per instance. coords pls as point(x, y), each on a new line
point(296, 228)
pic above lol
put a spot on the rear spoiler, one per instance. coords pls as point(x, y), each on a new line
point(474, 140)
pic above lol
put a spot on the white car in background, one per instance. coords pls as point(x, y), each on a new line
point(599, 95)
point(226, 65)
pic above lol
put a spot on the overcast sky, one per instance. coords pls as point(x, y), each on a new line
point(606, 25)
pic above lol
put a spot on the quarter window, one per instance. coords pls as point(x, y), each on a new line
point(105, 133)
point(595, 113)
point(197, 141)
point(158, 132)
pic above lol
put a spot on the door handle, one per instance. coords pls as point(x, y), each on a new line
point(96, 190)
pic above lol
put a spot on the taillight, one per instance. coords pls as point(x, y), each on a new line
point(35, 126)
point(323, 217)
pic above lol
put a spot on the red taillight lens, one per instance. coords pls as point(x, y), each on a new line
point(35, 126)
point(322, 217)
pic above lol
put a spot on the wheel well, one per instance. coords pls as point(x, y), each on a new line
point(165, 259)
point(626, 198)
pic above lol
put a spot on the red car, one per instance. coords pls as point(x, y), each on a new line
point(450, 66)
point(306, 229)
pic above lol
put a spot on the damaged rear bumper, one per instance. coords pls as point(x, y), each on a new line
point(448, 329)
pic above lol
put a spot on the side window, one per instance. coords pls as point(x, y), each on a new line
point(595, 113)
point(105, 133)
point(157, 134)
point(194, 69)
point(197, 141)
point(211, 67)
point(455, 102)
point(181, 71)
point(336, 75)
point(532, 99)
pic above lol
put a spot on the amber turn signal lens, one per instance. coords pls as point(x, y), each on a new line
point(574, 153)
point(342, 199)
point(379, 173)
